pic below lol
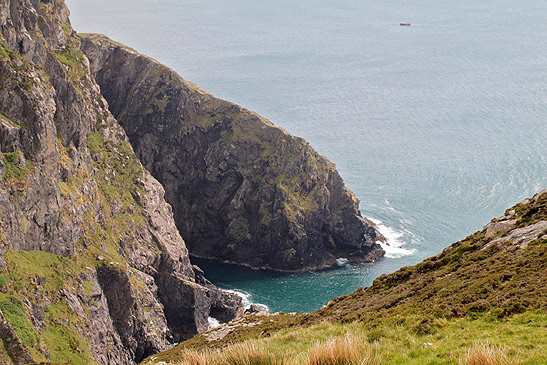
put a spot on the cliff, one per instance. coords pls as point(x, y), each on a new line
point(92, 267)
point(489, 288)
point(242, 190)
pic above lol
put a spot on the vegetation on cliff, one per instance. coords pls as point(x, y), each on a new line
point(89, 251)
point(486, 293)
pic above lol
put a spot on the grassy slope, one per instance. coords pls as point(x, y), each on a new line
point(432, 312)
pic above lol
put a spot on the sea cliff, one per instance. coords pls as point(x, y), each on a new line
point(242, 189)
point(92, 267)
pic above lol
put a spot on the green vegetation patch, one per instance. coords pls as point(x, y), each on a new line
point(11, 121)
point(14, 312)
point(250, 327)
point(54, 271)
point(16, 170)
point(73, 58)
point(4, 52)
point(66, 346)
point(120, 180)
point(119, 170)
point(18, 64)
point(37, 275)
point(74, 62)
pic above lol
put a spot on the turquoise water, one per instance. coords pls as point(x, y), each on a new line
point(437, 127)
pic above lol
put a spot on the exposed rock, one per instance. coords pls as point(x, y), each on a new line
point(93, 266)
point(253, 309)
point(520, 236)
point(242, 190)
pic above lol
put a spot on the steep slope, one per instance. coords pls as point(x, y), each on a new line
point(488, 287)
point(92, 267)
point(242, 190)
point(501, 269)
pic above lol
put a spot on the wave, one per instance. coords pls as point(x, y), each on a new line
point(213, 323)
point(246, 299)
point(394, 247)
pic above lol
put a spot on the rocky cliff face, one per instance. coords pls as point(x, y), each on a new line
point(242, 190)
point(92, 267)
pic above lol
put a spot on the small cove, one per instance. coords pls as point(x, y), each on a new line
point(436, 128)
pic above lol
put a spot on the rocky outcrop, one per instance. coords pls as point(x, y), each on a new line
point(92, 267)
point(242, 190)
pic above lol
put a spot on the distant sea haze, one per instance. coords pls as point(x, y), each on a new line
point(437, 127)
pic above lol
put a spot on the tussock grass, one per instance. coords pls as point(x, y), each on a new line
point(245, 353)
point(191, 357)
point(485, 354)
point(349, 349)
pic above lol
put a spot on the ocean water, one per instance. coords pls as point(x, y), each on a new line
point(437, 127)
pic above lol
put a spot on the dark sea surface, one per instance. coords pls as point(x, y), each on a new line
point(437, 127)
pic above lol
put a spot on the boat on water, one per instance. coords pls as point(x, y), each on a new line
point(405, 24)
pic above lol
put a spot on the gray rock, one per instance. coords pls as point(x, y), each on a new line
point(126, 271)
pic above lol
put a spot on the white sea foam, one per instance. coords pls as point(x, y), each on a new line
point(213, 322)
point(341, 261)
point(246, 299)
point(394, 248)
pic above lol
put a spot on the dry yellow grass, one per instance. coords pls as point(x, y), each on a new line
point(347, 350)
point(246, 353)
point(485, 354)
point(191, 357)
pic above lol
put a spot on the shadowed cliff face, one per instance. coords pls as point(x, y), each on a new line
point(242, 190)
point(92, 267)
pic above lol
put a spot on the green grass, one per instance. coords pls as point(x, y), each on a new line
point(16, 171)
point(523, 338)
point(45, 275)
point(66, 346)
point(13, 310)
point(54, 269)
point(4, 52)
point(118, 170)
point(73, 58)
point(73, 61)
point(17, 64)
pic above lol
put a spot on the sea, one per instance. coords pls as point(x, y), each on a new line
point(437, 127)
